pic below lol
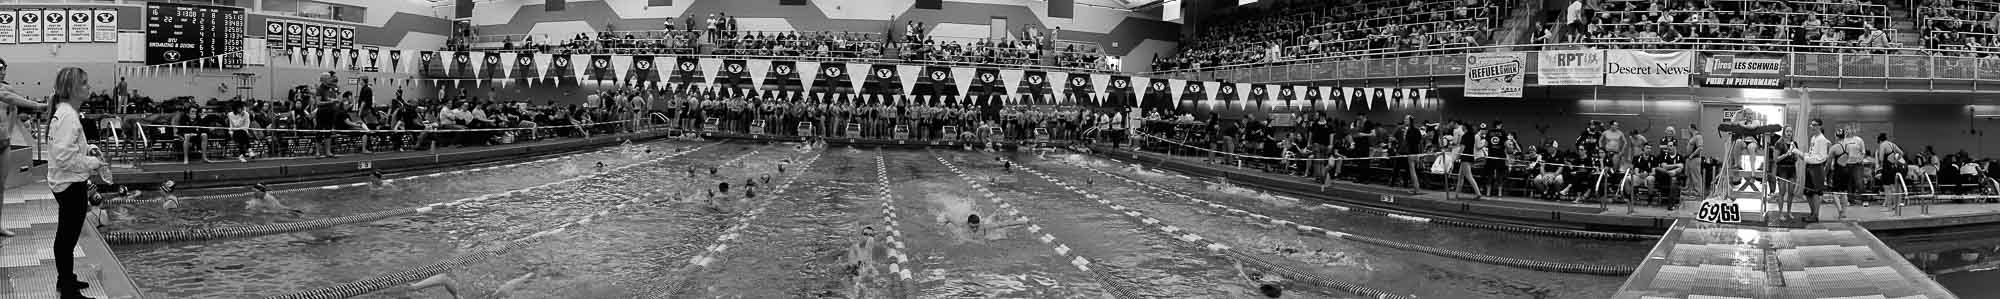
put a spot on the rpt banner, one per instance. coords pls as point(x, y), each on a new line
point(1646, 69)
point(1571, 67)
point(1494, 75)
point(1725, 70)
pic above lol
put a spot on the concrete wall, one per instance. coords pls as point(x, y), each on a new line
point(1137, 34)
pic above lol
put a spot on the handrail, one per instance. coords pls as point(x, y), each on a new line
point(1783, 49)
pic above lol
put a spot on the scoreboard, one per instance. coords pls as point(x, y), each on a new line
point(181, 32)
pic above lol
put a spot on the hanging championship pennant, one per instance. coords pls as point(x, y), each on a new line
point(353, 59)
point(736, 75)
point(80, 27)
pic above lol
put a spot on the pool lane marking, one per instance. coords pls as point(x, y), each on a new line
point(889, 218)
point(721, 243)
point(1081, 263)
point(1241, 212)
point(430, 175)
point(1132, 213)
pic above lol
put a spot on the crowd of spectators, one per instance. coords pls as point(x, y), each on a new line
point(1608, 161)
point(1334, 28)
point(1960, 24)
point(720, 35)
point(1674, 23)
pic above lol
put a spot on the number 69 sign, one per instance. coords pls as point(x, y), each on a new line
point(1719, 210)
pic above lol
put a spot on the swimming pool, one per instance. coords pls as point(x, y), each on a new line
point(796, 242)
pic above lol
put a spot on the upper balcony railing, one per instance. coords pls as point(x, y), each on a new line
point(1801, 61)
point(863, 47)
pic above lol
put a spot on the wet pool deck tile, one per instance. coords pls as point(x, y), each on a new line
point(1822, 260)
point(27, 261)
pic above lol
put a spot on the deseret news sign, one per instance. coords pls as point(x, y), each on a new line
point(1744, 72)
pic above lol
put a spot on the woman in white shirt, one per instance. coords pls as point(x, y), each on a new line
point(239, 133)
point(72, 162)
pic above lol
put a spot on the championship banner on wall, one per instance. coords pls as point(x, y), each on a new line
point(31, 26)
point(105, 26)
point(55, 26)
point(1494, 75)
point(82, 25)
point(1570, 67)
point(9, 23)
point(1645, 69)
point(1746, 72)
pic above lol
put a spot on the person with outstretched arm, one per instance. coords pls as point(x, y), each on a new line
point(9, 100)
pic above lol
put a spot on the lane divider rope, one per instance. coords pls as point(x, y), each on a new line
point(1211, 245)
point(185, 235)
point(369, 285)
point(1081, 263)
point(1477, 257)
point(720, 245)
point(890, 222)
point(1562, 233)
point(386, 180)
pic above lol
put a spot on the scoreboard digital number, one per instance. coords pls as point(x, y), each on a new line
point(182, 32)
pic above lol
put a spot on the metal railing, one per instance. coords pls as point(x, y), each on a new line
point(1806, 61)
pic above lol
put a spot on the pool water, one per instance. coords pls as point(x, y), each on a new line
point(801, 241)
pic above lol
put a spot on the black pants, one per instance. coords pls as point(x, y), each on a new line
point(242, 140)
point(74, 204)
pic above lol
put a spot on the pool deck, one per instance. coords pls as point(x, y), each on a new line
point(1537, 212)
point(1823, 260)
point(27, 263)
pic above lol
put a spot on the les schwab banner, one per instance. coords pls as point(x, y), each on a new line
point(1744, 72)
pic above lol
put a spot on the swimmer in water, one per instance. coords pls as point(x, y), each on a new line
point(380, 181)
point(167, 198)
point(711, 171)
point(450, 285)
point(600, 166)
point(1264, 287)
point(972, 221)
point(264, 202)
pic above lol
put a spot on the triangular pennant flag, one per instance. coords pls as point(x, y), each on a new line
point(708, 68)
point(961, 78)
point(1177, 87)
point(808, 71)
point(857, 75)
point(578, 65)
point(1011, 79)
point(909, 74)
point(1100, 83)
point(758, 69)
point(621, 67)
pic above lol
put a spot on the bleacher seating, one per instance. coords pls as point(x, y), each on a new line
point(1329, 28)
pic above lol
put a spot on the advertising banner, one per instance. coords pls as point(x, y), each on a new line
point(1574, 67)
point(1494, 75)
point(1644, 69)
point(1744, 71)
